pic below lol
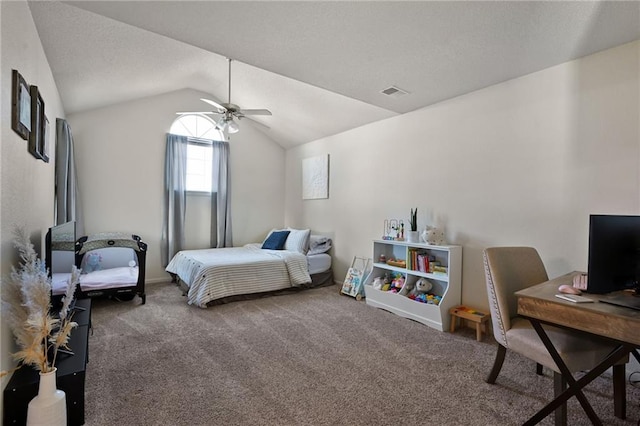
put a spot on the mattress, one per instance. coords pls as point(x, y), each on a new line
point(318, 263)
point(97, 280)
point(59, 282)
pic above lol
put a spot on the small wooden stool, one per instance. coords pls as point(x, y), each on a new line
point(464, 313)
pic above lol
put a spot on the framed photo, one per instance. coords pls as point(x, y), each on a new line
point(20, 105)
point(36, 136)
point(45, 140)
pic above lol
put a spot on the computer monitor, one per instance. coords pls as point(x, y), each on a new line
point(614, 253)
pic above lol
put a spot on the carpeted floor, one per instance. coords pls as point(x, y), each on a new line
point(308, 358)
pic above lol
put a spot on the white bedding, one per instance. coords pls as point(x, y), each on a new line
point(318, 263)
point(215, 273)
point(97, 280)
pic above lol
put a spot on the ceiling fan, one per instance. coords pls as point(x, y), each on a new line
point(228, 111)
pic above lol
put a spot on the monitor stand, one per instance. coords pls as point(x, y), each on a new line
point(626, 299)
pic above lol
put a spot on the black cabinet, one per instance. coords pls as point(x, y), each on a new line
point(23, 385)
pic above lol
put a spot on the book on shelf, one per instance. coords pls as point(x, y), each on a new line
point(440, 270)
point(419, 260)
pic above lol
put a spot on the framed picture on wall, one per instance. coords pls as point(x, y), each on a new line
point(20, 105)
point(36, 135)
point(45, 139)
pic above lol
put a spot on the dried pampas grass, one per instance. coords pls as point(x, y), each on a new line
point(26, 308)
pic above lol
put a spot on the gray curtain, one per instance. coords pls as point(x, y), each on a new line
point(221, 197)
point(66, 199)
point(175, 196)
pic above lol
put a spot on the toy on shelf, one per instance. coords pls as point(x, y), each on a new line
point(397, 284)
point(428, 298)
point(377, 283)
point(406, 289)
point(420, 293)
point(384, 282)
point(433, 236)
point(399, 263)
point(393, 230)
point(422, 286)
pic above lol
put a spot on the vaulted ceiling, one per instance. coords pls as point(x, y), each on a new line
point(319, 66)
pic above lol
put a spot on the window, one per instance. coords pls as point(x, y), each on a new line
point(200, 130)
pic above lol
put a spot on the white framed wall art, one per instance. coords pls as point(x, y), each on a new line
point(315, 177)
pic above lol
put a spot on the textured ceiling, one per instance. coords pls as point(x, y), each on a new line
point(318, 66)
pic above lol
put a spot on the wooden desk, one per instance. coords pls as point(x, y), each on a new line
point(617, 324)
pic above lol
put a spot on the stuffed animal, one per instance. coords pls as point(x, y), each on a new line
point(396, 284)
point(422, 287)
point(377, 283)
point(92, 263)
point(406, 290)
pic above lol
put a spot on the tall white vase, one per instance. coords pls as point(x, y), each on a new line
point(49, 407)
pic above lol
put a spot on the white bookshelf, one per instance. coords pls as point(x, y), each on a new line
point(448, 285)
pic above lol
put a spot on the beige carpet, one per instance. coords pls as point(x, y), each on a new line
point(309, 358)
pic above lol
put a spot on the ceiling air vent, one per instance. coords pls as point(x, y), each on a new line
point(393, 91)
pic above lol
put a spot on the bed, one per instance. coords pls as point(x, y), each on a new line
point(210, 275)
point(111, 264)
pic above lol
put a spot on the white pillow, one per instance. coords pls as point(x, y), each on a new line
point(298, 240)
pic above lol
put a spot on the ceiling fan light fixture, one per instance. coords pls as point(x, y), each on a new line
point(221, 125)
point(232, 127)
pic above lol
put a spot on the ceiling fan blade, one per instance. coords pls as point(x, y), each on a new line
point(242, 117)
point(255, 112)
point(220, 108)
point(198, 112)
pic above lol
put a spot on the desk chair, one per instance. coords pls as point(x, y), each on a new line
point(509, 269)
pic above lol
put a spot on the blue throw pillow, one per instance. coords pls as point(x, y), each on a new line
point(276, 240)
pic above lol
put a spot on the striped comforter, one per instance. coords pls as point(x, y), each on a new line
point(215, 273)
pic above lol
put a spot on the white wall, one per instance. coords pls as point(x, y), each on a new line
point(520, 163)
point(120, 161)
point(26, 184)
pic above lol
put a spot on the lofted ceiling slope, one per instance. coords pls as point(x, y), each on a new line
point(318, 66)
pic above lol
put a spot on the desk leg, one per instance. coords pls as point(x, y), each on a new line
point(619, 404)
point(564, 370)
point(575, 387)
